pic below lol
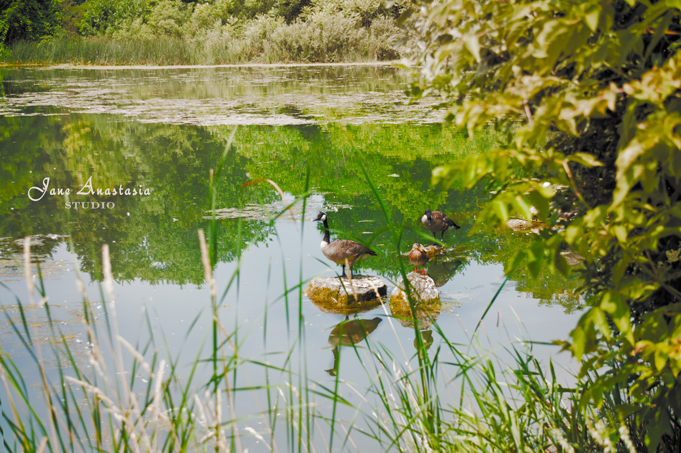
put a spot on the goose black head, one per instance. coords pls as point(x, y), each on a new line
point(321, 217)
point(429, 216)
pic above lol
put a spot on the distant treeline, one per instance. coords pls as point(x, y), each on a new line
point(197, 32)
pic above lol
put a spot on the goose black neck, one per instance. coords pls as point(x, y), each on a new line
point(327, 235)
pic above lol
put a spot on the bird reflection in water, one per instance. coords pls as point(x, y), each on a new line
point(424, 319)
point(443, 262)
point(427, 337)
point(348, 333)
point(442, 271)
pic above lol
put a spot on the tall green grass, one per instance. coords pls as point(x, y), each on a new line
point(128, 396)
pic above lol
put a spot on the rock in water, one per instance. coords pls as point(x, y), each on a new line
point(341, 291)
point(519, 224)
point(422, 286)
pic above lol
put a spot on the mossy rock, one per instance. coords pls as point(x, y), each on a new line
point(422, 287)
point(338, 295)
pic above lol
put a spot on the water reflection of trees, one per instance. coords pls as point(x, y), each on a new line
point(154, 238)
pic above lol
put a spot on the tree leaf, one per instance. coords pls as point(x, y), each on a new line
point(585, 159)
point(592, 17)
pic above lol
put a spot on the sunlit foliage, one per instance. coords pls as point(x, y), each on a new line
point(589, 94)
point(201, 32)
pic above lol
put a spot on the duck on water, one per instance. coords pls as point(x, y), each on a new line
point(418, 257)
point(341, 251)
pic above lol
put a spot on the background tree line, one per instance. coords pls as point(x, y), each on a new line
point(224, 30)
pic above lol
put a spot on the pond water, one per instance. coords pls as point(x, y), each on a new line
point(164, 130)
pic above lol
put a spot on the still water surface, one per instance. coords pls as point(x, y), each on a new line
point(164, 130)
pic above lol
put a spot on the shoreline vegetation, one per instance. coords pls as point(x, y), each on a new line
point(172, 32)
point(199, 66)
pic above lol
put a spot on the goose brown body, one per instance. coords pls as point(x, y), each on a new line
point(418, 257)
point(437, 222)
point(341, 251)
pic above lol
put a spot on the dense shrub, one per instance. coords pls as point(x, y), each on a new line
point(323, 37)
point(221, 31)
point(590, 95)
point(106, 16)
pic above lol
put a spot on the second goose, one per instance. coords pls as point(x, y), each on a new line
point(341, 250)
point(437, 222)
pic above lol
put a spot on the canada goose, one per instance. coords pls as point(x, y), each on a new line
point(435, 221)
point(341, 250)
point(418, 257)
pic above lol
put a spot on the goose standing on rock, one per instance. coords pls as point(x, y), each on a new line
point(435, 222)
point(418, 257)
point(341, 250)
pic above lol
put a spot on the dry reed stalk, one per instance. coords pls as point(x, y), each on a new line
point(208, 272)
point(347, 435)
point(108, 286)
point(42, 445)
point(41, 367)
point(3, 376)
point(258, 436)
point(127, 411)
point(205, 260)
point(276, 187)
point(133, 352)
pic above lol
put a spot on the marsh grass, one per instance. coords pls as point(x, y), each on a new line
point(325, 41)
point(106, 51)
point(121, 395)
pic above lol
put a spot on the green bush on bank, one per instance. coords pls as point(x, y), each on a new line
point(219, 31)
point(592, 93)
